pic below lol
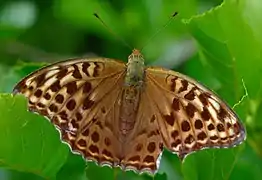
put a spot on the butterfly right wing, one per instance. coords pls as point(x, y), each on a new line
point(81, 97)
point(190, 116)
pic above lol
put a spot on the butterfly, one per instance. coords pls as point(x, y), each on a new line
point(124, 115)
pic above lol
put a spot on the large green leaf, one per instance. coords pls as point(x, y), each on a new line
point(28, 141)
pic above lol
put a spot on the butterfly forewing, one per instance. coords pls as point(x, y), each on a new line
point(190, 116)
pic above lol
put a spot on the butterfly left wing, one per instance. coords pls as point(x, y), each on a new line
point(190, 116)
point(81, 97)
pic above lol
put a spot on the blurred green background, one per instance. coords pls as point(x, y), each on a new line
point(217, 43)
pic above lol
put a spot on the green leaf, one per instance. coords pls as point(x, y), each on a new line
point(29, 142)
point(213, 164)
point(227, 42)
point(73, 169)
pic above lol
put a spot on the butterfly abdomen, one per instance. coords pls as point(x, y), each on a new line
point(129, 107)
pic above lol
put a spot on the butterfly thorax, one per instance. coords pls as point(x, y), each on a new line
point(135, 69)
point(131, 92)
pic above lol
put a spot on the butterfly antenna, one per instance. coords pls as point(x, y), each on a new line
point(111, 31)
point(160, 29)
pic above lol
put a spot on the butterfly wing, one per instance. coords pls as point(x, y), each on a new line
point(190, 116)
point(81, 97)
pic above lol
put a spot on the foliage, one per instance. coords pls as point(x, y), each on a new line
point(225, 50)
